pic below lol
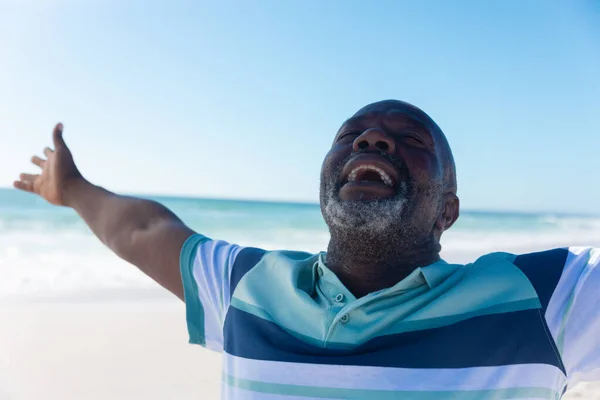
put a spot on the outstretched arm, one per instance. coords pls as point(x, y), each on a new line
point(142, 232)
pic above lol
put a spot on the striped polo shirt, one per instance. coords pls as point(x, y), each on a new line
point(502, 327)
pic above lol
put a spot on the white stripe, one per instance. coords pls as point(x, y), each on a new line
point(241, 394)
point(574, 266)
point(212, 272)
point(388, 378)
point(574, 313)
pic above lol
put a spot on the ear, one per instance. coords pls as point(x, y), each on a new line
point(449, 214)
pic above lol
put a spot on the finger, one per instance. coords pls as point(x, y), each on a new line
point(28, 177)
point(26, 186)
point(48, 151)
point(57, 136)
point(38, 161)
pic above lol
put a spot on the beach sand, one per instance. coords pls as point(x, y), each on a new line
point(96, 349)
point(117, 345)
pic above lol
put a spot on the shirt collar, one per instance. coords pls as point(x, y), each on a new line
point(431, 275)
point(437, 272)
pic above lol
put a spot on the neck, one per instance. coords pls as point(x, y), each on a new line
point(365, 266)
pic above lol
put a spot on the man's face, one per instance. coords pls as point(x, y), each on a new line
point(384, 173)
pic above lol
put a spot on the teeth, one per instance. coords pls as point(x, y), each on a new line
point(384, 177)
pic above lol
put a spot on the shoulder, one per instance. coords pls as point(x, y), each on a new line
point(270, 265)
point(556, 260)
point(221, 264)
point(544, 270)
point(242, 257)
point(547, 269)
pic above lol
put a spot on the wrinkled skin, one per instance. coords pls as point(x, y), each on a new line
point(380, 232)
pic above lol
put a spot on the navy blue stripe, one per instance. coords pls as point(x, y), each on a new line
point(543, 269)
point(244, 262)
point(490, 340)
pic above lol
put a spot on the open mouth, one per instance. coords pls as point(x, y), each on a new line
point(368, 176)
point(370, 173)
point(369, 168)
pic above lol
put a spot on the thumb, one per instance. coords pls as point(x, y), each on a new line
point(57, 136)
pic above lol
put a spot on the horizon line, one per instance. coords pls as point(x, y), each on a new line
point(308, 203)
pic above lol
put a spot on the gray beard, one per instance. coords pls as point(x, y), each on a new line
point(375, 232)
point(369, 231)
point(378, 242)
point(366, 218)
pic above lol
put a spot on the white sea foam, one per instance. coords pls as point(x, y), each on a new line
point(46, 250)
point(37, 262)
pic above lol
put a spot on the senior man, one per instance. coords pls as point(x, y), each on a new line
point(379, 315)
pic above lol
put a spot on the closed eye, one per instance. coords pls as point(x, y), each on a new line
point(348, 134)
point(414, 140)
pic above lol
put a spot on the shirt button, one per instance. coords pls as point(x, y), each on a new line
point(344, 319)
point(339, 298)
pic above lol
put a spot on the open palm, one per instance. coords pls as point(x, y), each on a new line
point(58, 170)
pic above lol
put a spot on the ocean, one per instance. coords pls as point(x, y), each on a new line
point(47, 250)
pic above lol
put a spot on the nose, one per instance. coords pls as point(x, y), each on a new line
point(374, 139)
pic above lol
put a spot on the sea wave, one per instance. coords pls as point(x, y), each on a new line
point(45, 249)
point(34, 262)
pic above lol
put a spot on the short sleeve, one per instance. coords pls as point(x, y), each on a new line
point(573, 315)
point(206, 267)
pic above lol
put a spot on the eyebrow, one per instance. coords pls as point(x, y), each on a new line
point(416, 123)
point(407, 117)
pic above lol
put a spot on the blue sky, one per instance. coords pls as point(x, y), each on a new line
point(242, 99)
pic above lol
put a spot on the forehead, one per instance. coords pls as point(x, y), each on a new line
point(392, 110)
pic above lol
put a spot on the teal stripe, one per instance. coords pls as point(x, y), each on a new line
point(402, 327)
point(251, 309)
point(560, 341)
point(360, 394)
point(260, 313)
point(194, 310)
point(225, 296)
